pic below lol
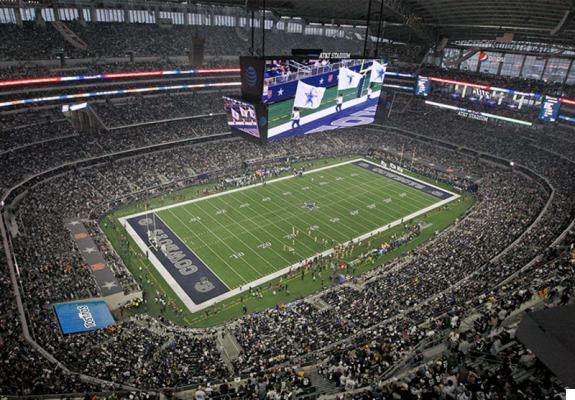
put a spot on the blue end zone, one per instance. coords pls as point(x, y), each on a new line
point(193, 276)
point(404, 180)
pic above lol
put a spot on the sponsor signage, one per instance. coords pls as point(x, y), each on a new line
point(83, 316)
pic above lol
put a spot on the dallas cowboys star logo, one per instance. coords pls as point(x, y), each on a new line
point(321, 81)
point(110, 285)
point(310, 96)
point(89, 250)
point(280, 92)
point(74, 223)
point(310, 206)
point(350, 79)
point(380, 73)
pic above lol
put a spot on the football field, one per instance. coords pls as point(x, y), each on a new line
point(243, 237)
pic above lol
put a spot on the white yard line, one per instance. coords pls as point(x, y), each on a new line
point(194, 308)
point(271, 182)
point(203, 241)
point(207, 266)
point(324, 254)
point(391, 189)
point(249, 232)
point(342, 200)
point(234, 235)
point(273, 223)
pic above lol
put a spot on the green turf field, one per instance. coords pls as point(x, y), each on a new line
point(246, 235)
point(232, 307)
point(280, 112)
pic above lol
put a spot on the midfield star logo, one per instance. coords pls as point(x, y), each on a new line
point(310, 206)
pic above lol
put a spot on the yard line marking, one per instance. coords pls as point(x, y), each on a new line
point(233, 251)
point(279, 255)
point(187, 227)
point(296, 215)
point(284, 220)
point(207, 266)
point(343, 216)
point(391, 187)
point(418, 195)
point(273, 181)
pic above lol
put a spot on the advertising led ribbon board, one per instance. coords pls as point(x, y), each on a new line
point(478, 115)
point(83, 316)
point(56, 79)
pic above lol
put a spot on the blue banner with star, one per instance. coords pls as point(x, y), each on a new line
point(287, 90)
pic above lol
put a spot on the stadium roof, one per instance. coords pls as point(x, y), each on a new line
point(430, 20)
point(413, 21)
point(528, 20)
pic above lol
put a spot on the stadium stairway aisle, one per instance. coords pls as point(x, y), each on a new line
point(230, 345)
point(322, 386)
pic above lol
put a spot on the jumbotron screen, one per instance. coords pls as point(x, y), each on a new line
point(241, 116)
point(313, 95)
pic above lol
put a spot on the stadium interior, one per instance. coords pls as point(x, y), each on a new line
point(404, 234)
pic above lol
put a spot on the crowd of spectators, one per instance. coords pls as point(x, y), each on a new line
point(152, 108)
point(450, 274)
point(117, 39)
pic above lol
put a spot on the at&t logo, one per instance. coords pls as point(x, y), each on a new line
point(251, 76)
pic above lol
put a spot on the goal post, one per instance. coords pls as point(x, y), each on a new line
point(151, 229)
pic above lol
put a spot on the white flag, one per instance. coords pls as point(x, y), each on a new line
point(235, 114)
point(308, 96)
point(377, 72)
point(252, 114)
point(244, 112)
point(348, 79)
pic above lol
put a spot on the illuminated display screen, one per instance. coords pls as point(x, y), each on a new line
point(55, 79)
point(422, 87)
point(241, 116)
point(115, 92)
point(550, 109)
point(83, 316)
point(489, 96)
point(477, 115)
point(314, 95)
